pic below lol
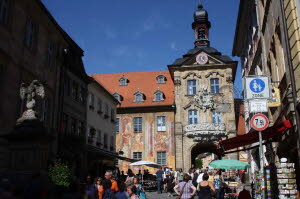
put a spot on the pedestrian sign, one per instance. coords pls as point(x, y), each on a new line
point(259, 122)
point(257, 87)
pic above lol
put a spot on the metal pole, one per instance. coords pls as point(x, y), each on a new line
point(261, 155)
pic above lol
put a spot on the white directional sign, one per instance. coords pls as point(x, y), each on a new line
point(258, 106)
point(259, 122)
point(257, 87)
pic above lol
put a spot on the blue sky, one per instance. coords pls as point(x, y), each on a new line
point(141, 35)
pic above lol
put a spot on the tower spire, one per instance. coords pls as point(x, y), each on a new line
point(200, 6)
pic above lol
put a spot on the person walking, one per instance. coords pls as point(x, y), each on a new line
point(139, 188)
point(205, 188)
point(180, 176)
point(129, 179)
point(108, 192)
point(98, 183)
point(131, 190)
point(170, 183)
point(114, 185)
point(91, 190)
point(218, 184)
point(159, 180)
point(121, 194)
point(185, 188)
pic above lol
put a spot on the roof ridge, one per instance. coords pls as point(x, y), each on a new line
point(130, 72)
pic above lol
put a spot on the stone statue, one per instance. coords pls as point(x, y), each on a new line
point(29, 93)
point(204, 100)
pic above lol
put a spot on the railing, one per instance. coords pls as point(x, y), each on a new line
point(205, 131)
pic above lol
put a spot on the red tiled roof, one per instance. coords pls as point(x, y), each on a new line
point(144, 82)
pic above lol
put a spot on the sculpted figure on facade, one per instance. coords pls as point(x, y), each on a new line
point(29, 94)
point(204, 100)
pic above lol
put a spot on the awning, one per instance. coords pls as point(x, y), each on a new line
point(250, 138)
point(106, 153)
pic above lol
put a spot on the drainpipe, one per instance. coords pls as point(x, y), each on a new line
point(291, 74)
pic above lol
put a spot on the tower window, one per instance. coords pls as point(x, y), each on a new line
point(201, 33)
point(191, 89)
point(216, 117)
point(193, 117)
point(214, 86)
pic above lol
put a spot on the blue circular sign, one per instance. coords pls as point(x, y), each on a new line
point(257, 85)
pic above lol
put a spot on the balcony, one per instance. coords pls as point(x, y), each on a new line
point(206, 131)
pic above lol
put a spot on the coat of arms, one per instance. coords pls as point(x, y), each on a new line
point(204, 100)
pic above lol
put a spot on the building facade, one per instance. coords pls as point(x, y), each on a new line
point(101, 129)
point(261, 43)
point(145, 116)
point(204, 96)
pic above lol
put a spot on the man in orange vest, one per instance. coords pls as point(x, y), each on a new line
point(114, 184)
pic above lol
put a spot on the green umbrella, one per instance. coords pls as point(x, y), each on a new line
point(229, 164)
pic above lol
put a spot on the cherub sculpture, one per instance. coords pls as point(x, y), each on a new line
point(29, 93)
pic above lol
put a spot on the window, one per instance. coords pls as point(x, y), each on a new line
point(214, 85)
point(4, 8)
point(67, 86)
point(106, 111)
point(161, 123)
point(75, 91)
point(159, 96)
point(117, 125)
point(73, 126)
point(91, 101)
point(45, 110)
point(193, 117)
point(161, 158)
point(216, 117)
point(191, 87)
point(138, 124)
point(99, 138)
point(161, 79)
point(137, 155)
point(99, 111)
point(30, 34)
point(65, 123)
point(112, 115)
point(80, 128)
point(201, 33)
point(123, 81)
point(112, 143)
point(81, 95)
point(117, 96)
point(139, 97)
point(105, 141)
point(50, 54)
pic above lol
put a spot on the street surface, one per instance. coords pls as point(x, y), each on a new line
point(154, 195)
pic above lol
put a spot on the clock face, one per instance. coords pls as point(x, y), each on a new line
point(202, 58)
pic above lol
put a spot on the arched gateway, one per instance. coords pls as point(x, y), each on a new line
point(204, 98)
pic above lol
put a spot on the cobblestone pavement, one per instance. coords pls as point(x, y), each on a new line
point(154, 195)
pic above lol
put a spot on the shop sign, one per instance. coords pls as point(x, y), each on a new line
point(275, 99)
point(259, 122)
point(243, 156)
point(257, 87)
point(258, 106)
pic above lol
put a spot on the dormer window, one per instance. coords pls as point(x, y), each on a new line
point(123, 81)
point(161, 79)
point(138, 97)
point(158, 96)
point(117, 96)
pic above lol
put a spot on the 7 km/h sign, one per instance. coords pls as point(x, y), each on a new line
point(259, 122)
point(257, 87)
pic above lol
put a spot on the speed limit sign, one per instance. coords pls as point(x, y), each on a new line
point(259, 122)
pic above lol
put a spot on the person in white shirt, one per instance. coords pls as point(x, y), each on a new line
point(200, 177)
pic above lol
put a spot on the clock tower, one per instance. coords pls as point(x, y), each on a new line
point(204, 98)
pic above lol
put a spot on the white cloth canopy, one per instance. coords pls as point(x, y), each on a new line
point(145, 163)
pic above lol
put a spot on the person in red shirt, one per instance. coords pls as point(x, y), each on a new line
point(114, 184)
point(244, 194)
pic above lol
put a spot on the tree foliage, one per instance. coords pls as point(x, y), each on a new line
point(199, 163)
point(60, 174)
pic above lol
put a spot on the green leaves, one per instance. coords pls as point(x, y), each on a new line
point(60, 174)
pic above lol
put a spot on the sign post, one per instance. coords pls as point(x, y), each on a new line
point(260, 122)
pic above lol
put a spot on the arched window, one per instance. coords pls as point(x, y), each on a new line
point(161, 79)
point(138, 97)
point(123, 81)
point(158, 96)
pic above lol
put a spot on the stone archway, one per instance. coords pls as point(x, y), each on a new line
point(203, 147)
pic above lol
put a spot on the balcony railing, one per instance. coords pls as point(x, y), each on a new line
point(205, 131)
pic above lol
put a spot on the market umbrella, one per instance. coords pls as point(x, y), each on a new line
point(145, 163)
point(229, 164)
